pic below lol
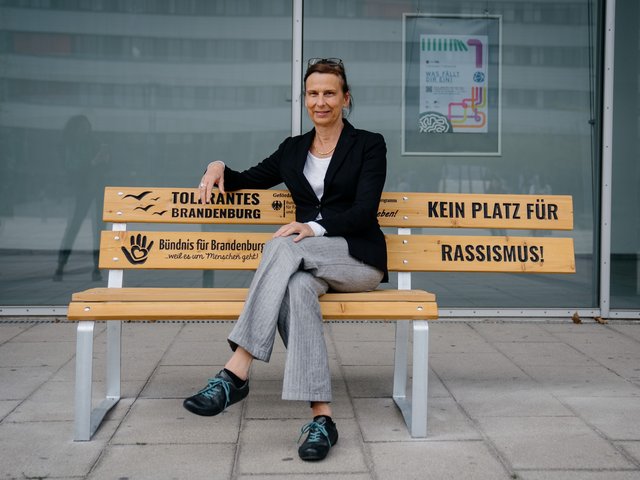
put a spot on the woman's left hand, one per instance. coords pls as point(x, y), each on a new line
point(302, 230)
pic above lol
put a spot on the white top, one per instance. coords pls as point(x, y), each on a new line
point(315, 169)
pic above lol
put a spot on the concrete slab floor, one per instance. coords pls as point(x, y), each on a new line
point(528, 400)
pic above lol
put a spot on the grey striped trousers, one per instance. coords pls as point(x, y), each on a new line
point(283, 296)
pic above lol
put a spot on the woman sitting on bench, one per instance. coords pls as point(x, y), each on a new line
point(335, 174)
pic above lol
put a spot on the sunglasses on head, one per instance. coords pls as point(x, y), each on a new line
point(325, 61)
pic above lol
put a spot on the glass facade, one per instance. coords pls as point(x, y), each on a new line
point(111, 92)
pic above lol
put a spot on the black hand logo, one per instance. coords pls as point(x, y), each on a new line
point(139, 249)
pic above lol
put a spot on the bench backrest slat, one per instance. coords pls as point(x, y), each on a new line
point(406, 253)
point(404, 210)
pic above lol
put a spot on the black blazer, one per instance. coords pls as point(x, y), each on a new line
point(352, 188)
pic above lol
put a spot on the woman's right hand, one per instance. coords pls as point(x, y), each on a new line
point(212, 177)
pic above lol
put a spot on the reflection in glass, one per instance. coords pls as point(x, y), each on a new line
point(85, 163)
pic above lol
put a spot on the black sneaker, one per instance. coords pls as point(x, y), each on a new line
point(219, 393)
point(323, 434)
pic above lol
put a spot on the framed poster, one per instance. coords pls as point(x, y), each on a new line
point(451, 85)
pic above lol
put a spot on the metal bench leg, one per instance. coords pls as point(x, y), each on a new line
point(414, 409)
point(401, 360)
point(114, 335)
point(84, 370)
point(420, 378)
point(402, 343)
point(87, 420)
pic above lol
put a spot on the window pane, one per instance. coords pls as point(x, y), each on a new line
point(549, 125)
point(625, 222)
point(97, 93)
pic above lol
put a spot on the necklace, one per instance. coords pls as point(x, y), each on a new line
point(324, 153)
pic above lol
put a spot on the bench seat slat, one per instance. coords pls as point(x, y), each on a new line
point(233, 294)
point(228, 310)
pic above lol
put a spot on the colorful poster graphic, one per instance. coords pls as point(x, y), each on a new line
point(453, 84)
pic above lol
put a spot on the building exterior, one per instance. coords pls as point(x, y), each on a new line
point(146, 92)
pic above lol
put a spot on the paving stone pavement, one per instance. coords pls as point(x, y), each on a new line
point(514, 399)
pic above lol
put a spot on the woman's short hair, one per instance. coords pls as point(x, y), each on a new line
point(333, 66)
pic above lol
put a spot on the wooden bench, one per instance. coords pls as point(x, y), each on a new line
point(240, 250)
